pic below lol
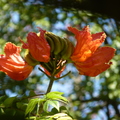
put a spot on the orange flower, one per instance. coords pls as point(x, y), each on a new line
point(89, 59)
point(86, 43)
point(13, 64)
point(38, 46)
point(97, 63)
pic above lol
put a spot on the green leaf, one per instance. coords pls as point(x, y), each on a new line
point(41, 100)
point(31, 105)
point(9, 101)
point(45, 106)
point(56, 96)
point(54, 104)
point(54, 92)
point(61, 116)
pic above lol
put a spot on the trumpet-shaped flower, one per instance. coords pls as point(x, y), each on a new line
point(97, 63)
point(89, 59)
point(38, 46)
point(12, 63)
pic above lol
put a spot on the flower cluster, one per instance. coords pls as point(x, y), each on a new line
point(52, 53)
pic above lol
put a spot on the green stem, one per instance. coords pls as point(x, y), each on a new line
point(50, 84)
point(44, 72)
point(63, 76)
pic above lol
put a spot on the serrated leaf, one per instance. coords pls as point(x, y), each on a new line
point(9, 101)
point(41, 101)
point(31, 105)
point(54, 92)
point(61, 98)
point(45, 106)
point(56, 96)
point(54, 104)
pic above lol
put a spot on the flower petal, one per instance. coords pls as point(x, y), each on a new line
point(87, 44)
point(38, 46)
point(13, 64)
point(97, 63)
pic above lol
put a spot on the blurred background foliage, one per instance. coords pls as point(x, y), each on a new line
point(91, 98)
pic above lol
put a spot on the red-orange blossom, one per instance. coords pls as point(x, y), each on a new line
point(38, 46)
point(12, 63)
point(88, 57)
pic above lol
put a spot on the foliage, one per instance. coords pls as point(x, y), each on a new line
point(30, 105)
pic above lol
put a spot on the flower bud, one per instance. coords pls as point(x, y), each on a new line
point(30, 60)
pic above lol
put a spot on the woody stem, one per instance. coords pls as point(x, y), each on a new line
point(50, 84)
